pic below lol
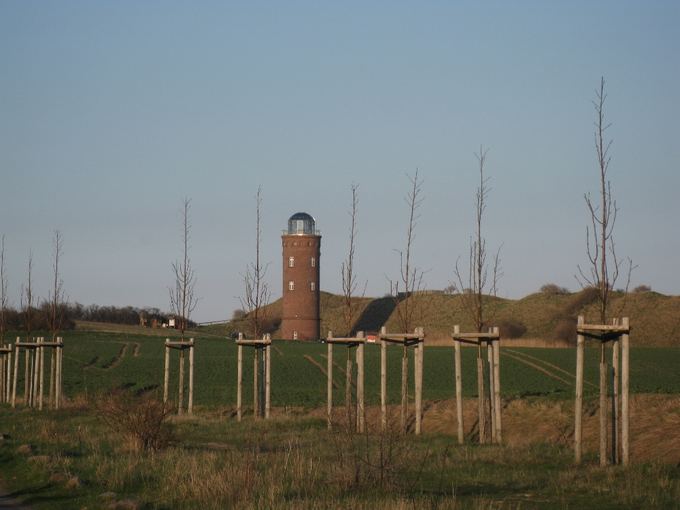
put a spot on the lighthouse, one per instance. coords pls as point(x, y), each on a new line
point(301, 244)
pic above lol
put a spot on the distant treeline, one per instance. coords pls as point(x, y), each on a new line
point(39, 317)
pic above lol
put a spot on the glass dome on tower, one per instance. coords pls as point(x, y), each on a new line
point(301, 223)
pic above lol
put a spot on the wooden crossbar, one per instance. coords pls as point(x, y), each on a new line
point(604, 328)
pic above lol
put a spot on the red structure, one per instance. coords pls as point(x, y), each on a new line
point(301, 252)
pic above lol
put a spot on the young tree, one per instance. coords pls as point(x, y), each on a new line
point(478, 281)
point(349, 278)
point(600, 247)
point(3, 291)
point(256, 292)
point(183, 300)
point(56, 298)
point(27, 299)
point(410, 277)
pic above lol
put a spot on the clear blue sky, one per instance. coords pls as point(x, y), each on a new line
point(112, 112)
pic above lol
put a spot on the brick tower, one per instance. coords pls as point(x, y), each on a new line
point(301, 252)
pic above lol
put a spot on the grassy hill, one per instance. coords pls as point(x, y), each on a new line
point(654, 317)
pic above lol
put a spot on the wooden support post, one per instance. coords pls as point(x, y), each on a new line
point(419, 355)
point(578, 404)
point(459, 386)
point(383, 382)
point(492, 386)
point(239, 379)
point(480, 396)
point(361, 411)
point(603, 406)
point(615, 399)
point(256, 369)
point(53, 354)
point(3, 364)
point(190, 405)
point(41, 372)
point(27, 376)
point(348, 388)
point(60, 372)
point(9, 375)
point(267, 379)
point(625, 373)
point(404, 388)
point(180, 397)
point(36, 371)
point(166, 372)
point(262, 377)
point(16, 373)
point(329, 383)
point(496, 345)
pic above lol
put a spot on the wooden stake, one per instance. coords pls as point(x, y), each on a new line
point(361, 411)
point(60, 372)
point(480, 395)
point(404, 387)
point(383, 381)
point(348, 388)
point(27, 376)
point(492, 387)
point(615, 399)
point(41, 373)
point(190, 406)
point(239, 379)
point(419, 354)
point(16, 373)
point(578, 404)
point(459, 386)
point(267, 379)
point(180, 398)
point(603, 407)
point(329, 383)
point(625, 373)
point(496, 344)
point(256, 369)
point(53, 353)
point(166, 372)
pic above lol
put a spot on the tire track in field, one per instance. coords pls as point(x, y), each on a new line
point(538, 367)
point(319, 366)
point(341, 369)
point(548, 364)
point(118, 358)
point(135, 351)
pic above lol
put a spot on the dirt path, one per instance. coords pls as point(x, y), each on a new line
point(548, 364)
point(135, 351)
point(118, 359)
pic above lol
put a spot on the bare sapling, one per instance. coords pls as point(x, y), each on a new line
point(411, 276)
point(349, 278)
point(604, 264)
point(56, 297)
point(27, 299)
point(483, 275)
point(256, 292)
point(183, 299)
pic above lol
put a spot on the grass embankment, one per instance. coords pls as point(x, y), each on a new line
point(654, 317)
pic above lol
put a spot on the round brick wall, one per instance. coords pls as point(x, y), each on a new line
point(301, 318)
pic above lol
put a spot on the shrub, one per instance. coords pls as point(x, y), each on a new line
point(642, 288)
point(238, 314)
point(141, 419)
point(551, 288)
point(580, 300)
point(511, 328)
point(565, 329)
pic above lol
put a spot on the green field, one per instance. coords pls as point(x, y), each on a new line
point(96, 361)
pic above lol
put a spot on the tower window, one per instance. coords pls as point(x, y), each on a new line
point(291, 285)
point(295, 335)
point(312, 286)
point(313, 262)
point(291, 261)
